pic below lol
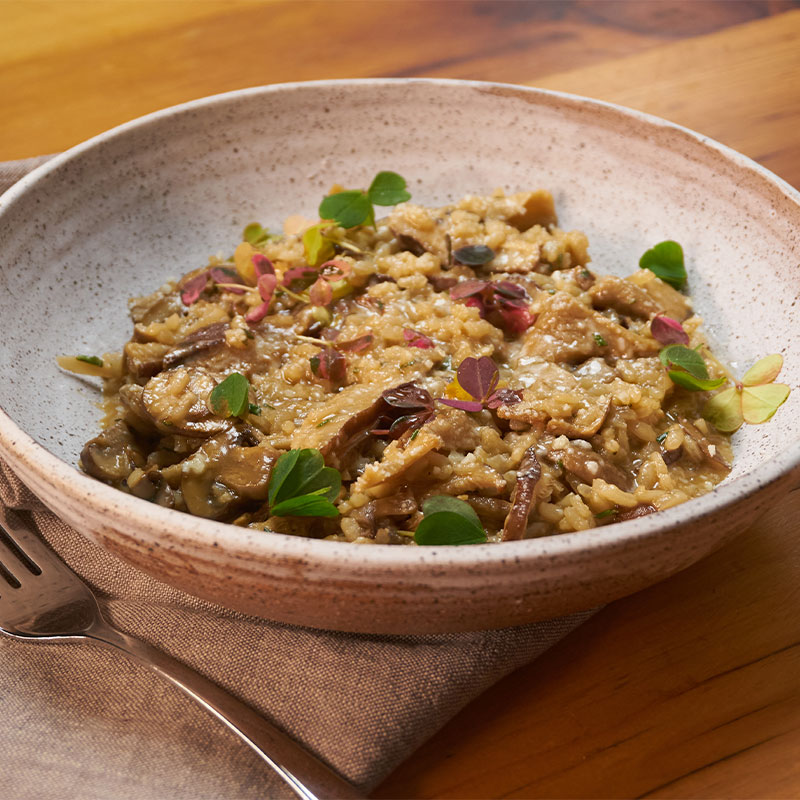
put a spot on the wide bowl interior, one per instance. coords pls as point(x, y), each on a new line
point(122, 213)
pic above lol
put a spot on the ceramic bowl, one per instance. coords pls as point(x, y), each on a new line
point(125, 211)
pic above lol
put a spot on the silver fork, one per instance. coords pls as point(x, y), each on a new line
point(42, 599)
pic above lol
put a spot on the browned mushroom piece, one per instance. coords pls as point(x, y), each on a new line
point(642, 510)
point(709, 451)
point(177, 402)
point(197, 342)
point(586, 464)
point(155, 307)
point(113, 455)
point(528, 476)
point(583, 278)
point(623, 296)
point(494, 509)
point(225, 473)
point(145, 359)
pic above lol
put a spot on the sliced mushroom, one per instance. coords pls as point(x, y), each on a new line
point(113, 455)
point(197, 342)
point(642, 510)
point(494, 509)
point(528, 476)
point(177, 401)
point(587, 465)
point(145, 359)
point(708, 450)
point(225, 473)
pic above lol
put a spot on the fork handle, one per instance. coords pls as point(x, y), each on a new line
point(303, 772)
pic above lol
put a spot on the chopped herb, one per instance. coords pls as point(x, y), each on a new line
point(599, 340)
point(551, 290)
point(445, 364)
point(407, 364)
point(584, 273)
point(323, 422)
point(249, 334)
point(414, 435)
point(474, 255)
point(449, 521)
point(254, 409)
point(661, 437)
point(355, 207)
point(560, 464)
point(302, 486)
point(665, 260)
point(609, 512)
point(754, 400)
point(229, 398)
point(94, 360)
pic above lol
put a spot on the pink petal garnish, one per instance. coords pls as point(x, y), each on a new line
point(258, 313)
point(335, 270)
point(417, 339)
point(299, 279)
point(666, 330)
point(478, 376)
point(266, 286)
point(356, 345)
point(227, 276)
point(262, 264)
point(464, 405)
point(467, 289)
point(192, 289)
point(321, 293)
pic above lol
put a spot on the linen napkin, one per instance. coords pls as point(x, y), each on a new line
point(80, 722)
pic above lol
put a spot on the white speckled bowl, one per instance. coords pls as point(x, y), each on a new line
point(121, 213)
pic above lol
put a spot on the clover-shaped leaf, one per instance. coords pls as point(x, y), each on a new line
point(754, 400)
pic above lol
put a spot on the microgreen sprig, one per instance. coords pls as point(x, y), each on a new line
point(691, 372)
point(754, 399)
point(478, 378)
point(503, 303)
point(230, 397)
point(405, 408)
point(355, 207)
point(449, 521)
point(665, 260)
point(302, 486)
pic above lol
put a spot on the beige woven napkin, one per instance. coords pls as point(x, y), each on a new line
point(82, 723)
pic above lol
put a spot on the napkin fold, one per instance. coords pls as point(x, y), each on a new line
point(84, 723)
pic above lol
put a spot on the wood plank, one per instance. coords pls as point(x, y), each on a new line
point(742, 88)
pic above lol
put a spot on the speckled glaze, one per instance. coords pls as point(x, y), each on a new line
point(118, 215)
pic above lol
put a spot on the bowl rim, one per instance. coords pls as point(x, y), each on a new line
point(21, 448)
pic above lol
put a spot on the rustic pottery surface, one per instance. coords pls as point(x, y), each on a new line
point(145, 202)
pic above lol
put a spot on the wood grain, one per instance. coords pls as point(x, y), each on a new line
point(689, 689)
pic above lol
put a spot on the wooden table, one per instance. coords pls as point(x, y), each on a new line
point(688, 689)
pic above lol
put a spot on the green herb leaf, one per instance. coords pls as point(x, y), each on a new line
point(255, 234)
point(449, 521)
point(695, 384)
point(765, 370)
point(666, 261)
point(254, 409)
point(759, 403)
point(388, 189)
point(229, 398)
point(609, 512)
point(684, 357)
point(318, 248)
point(724, 410)
point(94, 360)
point(347, 209)
point(599, 340)
point(302, 486)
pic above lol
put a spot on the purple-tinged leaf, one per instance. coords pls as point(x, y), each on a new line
point(408, 396)
point(666, 330)
point(468, 289)
point(299, 279)
point(320, 293)
point(356, 345)
point(335, 270)
point(417, 339)
point(478, 376)
point(258, 313)
point(262, 264)
point(192, 289)
point(329, 365)
point(266, 286)
point(394, 429)
point(511, 290)
point(464, 405)
point(504, 397)
point(474, 255)
point(228, 277)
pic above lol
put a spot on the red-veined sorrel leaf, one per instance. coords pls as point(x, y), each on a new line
point(503, 397)
point(262, 265)
point(193, 288)
point(229, 279)
point(468, 289)
point(320, 293)
point(356, 345)
point(335, 270)
point(478, 376)
point(416, 339)
point(329, 365)
point(666, 330)
point(464, 405)
point(266, 286)
point(299, 279)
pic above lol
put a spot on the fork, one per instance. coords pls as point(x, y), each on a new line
point(43, 600)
